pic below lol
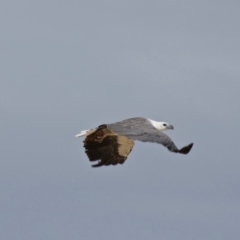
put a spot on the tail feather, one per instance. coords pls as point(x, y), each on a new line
point(85, 133)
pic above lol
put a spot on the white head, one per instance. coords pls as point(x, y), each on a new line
point(161, 125)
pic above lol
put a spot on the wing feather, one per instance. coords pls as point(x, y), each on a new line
point(107, 147)
point(149, 135)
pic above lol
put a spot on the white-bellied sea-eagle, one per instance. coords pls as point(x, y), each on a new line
point(110, 144)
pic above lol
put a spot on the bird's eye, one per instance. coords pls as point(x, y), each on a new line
point(164, 124)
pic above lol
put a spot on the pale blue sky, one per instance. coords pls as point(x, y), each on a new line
point(67, 66)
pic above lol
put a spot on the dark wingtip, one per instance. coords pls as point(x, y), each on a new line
point(97, 165)
point(186, 149)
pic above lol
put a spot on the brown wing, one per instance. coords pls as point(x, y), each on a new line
point(106, 147)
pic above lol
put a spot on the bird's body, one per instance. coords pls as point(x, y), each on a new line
point(112, 143)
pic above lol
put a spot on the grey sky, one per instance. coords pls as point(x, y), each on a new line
point(67, 66)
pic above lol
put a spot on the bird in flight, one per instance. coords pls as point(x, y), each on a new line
point(110, 144)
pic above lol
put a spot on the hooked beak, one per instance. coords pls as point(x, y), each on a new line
point(170, 127)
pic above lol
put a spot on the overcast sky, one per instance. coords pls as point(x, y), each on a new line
point(72, 65)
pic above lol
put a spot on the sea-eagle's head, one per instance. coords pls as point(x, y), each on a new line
point(165, 126)
point(161, 125)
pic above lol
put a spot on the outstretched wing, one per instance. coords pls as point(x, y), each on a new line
point(106, 147)
point(161, 138)
point(148, 135)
